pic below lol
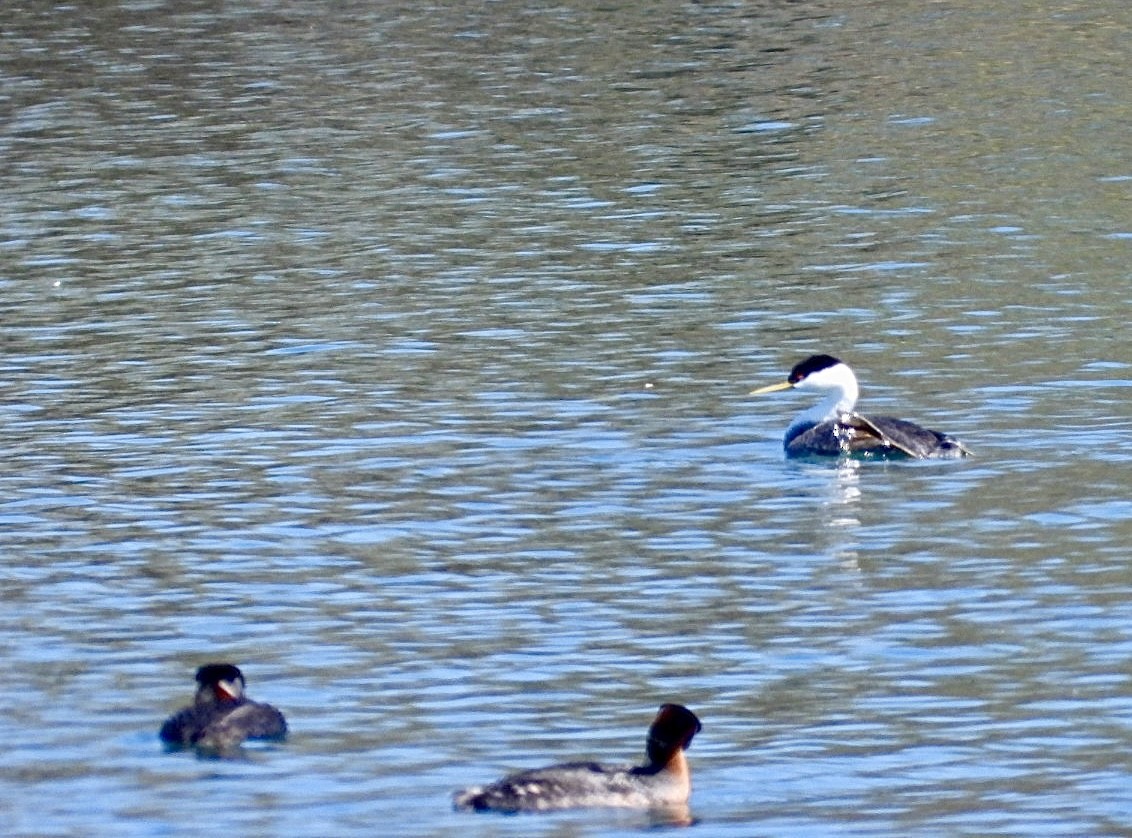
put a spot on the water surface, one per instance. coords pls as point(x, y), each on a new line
point(399, 353)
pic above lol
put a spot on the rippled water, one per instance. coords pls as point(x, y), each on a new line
point(399, 353)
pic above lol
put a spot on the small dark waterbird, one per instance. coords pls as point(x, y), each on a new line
point(663, 782)
point(221, 717)
point(833, 428)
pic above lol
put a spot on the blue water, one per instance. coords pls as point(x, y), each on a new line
point(400, 355)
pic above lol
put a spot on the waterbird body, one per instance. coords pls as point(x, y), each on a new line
point(663, 781)
point(221, 717)
point(833, 428)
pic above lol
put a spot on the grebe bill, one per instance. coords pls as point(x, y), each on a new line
point(832, 428)
point(663, 781)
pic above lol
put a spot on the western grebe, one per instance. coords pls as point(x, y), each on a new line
point(221, 716)
point(833, 429)
point(663, 782)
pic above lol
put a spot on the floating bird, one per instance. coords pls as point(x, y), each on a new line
point(221, 717)
point(663, 782)
point(833, 429)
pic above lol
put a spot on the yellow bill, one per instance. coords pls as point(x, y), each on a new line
point(771, 388)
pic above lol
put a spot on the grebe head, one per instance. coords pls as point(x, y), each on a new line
point(826, 374)
point(219, 682)
point(671, 731)
point(820, 372)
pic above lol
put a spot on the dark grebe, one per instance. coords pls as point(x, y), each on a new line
point(663, 781)
point(833, 429)
point(221, 717)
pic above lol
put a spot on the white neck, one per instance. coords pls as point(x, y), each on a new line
point(841, 391)
point(677, 778)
